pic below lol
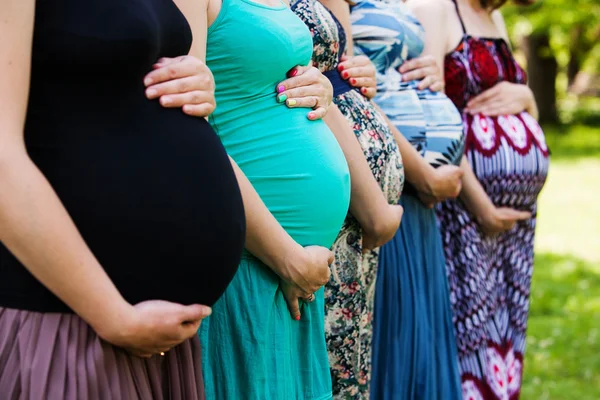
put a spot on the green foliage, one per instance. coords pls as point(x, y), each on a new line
point(563, 341)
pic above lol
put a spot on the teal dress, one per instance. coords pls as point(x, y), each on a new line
point(253, 349)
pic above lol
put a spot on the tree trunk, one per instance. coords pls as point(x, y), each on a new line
point(542, 69)
point(575, 53)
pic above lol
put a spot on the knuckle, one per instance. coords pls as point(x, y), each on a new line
point(171, 71)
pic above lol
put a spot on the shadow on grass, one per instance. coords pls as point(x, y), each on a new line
point(563, 343)
point(569, 142)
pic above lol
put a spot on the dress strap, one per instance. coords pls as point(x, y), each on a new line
point(459, 17)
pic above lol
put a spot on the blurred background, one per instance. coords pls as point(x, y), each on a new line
point(558, 41)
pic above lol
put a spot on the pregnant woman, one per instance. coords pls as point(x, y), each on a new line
point(107, 200)
point(350, 291)
point(414, 349)
point(299, 171)
point(489, 233)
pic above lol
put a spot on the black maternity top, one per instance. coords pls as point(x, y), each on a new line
point(150, 189)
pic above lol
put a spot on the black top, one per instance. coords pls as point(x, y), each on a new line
point(150, 189)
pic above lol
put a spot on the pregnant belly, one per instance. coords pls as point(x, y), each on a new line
point(300, 172)
point(162, 214)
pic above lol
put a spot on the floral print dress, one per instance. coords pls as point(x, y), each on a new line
point(349, 294)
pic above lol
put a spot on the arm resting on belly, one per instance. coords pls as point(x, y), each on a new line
point(368, 204)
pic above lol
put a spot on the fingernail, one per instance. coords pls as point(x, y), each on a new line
point(291, 102)
point(294, 72)
point(148, 81)
point(297, 318)
point(312, 115)
point(353, 81)
point(280, 88)
point(165, 100)
point(363, 90)
point(281, 98)
point(151, 92)
point(340, 68)
point(345, 74)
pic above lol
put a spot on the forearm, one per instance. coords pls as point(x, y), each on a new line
point(265, 238)
point(367, 201)
point(472, 194)
point(416, 169)
point(36, 228)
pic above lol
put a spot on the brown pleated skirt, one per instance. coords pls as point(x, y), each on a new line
point(58, 356)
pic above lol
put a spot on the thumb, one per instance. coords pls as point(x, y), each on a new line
point(343, 58)
point(194, 312)
point(522, 215)
point(293, 305)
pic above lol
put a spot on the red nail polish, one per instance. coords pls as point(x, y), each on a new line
point(293, 72)
point(311, 115)
point(297, 318)
point(363, 90)
point(340, 68)
point(345, 74)
point(353, 81)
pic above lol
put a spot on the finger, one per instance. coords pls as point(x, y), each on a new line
point(485, 107)
point(357, 72)
point(415, 63)
point(313, 90)
point(303, 102)
point(303, 78)
point(165, 61)
point(317, 113)
point(188, 330)
point(293, 305)
point(482, 97)
point(193, 313)
point(193, 97)
point(175, 70)
point(199, 110)
point(426, 82)
point(437, 86)
point(344, 57)
point(368, 92)
point(353, 62)
point(297, 70)
point(181, 85)
point(522, 215)
point(363, 82)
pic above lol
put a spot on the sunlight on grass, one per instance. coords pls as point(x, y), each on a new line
point(563, 354)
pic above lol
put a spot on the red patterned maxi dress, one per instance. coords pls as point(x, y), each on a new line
point(490, 276)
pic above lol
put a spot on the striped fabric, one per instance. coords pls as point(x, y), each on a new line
point(389, 34)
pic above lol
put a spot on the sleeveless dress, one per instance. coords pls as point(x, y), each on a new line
point(414, 347)
point(491, 275)
point(350, 293)
point(147, 187)
point(300, 172)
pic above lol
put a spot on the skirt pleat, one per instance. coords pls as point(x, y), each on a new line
point(59, 356)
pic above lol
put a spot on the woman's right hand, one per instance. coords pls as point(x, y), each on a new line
point(442, 183)
point(304, 275)
point(501, 219)
point(153, 327)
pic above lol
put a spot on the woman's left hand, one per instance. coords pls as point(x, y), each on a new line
point(306, 87)
point(424, 69)
point(184, 82)
point(360, 72)
point(504, 98)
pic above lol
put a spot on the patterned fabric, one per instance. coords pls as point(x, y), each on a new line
point(350, 292)
point(389, 34)
point(490, 276)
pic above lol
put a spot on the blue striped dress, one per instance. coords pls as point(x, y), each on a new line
point(414, 347)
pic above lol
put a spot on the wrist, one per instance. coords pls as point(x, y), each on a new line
point(115, 322)
point(287, 266)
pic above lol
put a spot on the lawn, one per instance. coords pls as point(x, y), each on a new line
point(563, 353)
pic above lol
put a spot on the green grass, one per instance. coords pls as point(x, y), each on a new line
point(563, 354)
